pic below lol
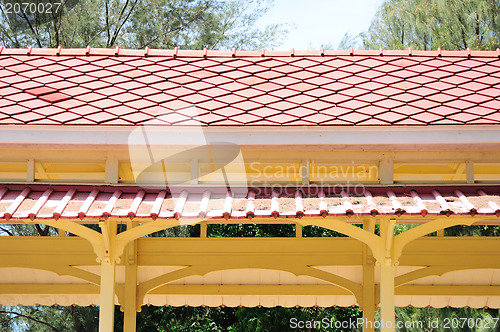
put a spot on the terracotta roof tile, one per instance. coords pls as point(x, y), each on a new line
point(390, 117)
point(300, 112)
point(214, 104)
point(460, 104)
point(480, 110)
point(231, 98)
point(281, 118)
point(491, 92)
point(250, 93)
point(62, 85)
point(494, 104)
point(270, 74)
point(423, 104)
point(118, 122)
point(356, 104)
point(336, 98)
point(492, 116)
point(488, 80)
point(483, 122)
point(283, 105)
point(251, 89)
point(443, 110)
point(297, 99)
point(173, 117)
point(27, 117)
point(100, 117)
point(441, 97)
point(426, 117)
point(463, 117)
point(354, 92)
point(407, 97)
point(18, 97)
point(10, 121)
point(209, 118)
point(45, 122)
point(194, 98)
point(84, 110)
point(454, 80)
point(335, 111)
point(50, 110)
point(264, 112)
point(54, 97)
point(373, 122)
point(317, 118)
point(120, 110)
point(372, 110)
point(139, 104)
point(31, 104)
point(407, 110)
point(411, 122)
point(354, 117)
point(63, 117)
point(185, 79)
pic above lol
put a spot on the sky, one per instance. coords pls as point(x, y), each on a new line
point(320, 22)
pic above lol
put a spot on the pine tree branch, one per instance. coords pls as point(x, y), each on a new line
point(6, 231)
point(30, 318)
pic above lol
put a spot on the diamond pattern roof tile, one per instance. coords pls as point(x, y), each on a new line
point(275, 88)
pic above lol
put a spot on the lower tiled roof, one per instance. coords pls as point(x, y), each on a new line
point(237, 88)
point(94, 202)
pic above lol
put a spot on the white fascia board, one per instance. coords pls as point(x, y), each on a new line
point(81, 136)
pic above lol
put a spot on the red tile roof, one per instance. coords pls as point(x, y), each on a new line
point(94, 202)
point(236, 88)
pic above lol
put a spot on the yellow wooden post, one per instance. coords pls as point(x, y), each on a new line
point(368, 304)
point(298, 230)
point(108, 268)
point(387, 302)
point(129, 305)
point(203, 229)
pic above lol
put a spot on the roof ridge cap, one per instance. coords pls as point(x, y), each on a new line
point(88, 51)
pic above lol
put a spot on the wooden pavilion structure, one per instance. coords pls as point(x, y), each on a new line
point(359, 142)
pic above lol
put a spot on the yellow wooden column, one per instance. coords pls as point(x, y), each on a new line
point(387, 302)
point(368, 305)
point(203, 229)
point(130, 293)
point(108, 268)
point(298, 230)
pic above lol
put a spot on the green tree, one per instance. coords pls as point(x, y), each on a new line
point(191, 24)
point(429, 24)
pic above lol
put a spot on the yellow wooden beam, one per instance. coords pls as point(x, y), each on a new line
point(130, 288)
point(251, 290)
point(367, 304)
point(48, 289)
point(108, 270)
point(156, 282)
point(402, 239)
point(455, 290)
point(339, 225)
point(298, 230)
point(84, 232)
point(355, 288)
point(203, 229)
point(387, 299)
